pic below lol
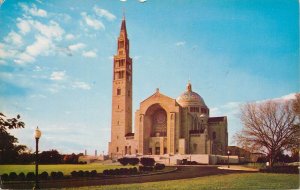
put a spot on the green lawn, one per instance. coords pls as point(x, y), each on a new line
point(232, 181)
point(65, 168)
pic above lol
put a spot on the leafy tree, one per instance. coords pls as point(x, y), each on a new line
point(9, 151)
point(50, 157)
point(268, 128)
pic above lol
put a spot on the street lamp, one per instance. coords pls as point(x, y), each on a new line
point(37, 135)
point(228, 153)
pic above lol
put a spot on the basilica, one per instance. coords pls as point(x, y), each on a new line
point(163, 125)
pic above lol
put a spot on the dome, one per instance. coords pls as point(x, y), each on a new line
point(190, 98)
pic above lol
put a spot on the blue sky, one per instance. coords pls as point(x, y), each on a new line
point(56, 60)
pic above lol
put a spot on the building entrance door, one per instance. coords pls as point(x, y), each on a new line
point(157, 150)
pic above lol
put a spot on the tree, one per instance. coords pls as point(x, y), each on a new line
point(50, 157)
point(9, 151)
point(269, 128)
point(296, 105)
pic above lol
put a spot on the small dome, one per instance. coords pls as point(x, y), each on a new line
point(190, 98)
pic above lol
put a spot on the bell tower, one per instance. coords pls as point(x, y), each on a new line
point(121, 123)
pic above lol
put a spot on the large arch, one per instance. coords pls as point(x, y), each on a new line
point(155, 128)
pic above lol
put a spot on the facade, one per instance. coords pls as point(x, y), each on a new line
point(163, 125)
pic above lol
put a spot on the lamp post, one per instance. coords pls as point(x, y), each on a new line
point(37, 135)
point(228, 152)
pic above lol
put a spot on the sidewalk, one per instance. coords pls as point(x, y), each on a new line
point(237, 167)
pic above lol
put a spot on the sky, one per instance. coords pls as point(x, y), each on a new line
point(56, 60)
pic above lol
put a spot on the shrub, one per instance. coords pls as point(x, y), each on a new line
point(21, 176)
point(134, 161)
point(93, 173)
point(4, 177)
point(30, 176)
point(105, 172)
point(133, 170)
point(59, 175)
point(44, 176)
point(159, 166)
point(124, 161)
point(145, 168)
point(13, 176)
point(74, 174)
point(80, 173)
point(86, 174)
point(53, 175)
point(147, 161)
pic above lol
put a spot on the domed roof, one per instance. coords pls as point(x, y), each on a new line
point(190, 98)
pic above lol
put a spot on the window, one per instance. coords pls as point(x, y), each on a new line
point(128, 93)
point(121, 44)
point(117, 149)
point(118, 91)
point(214, 135)
point(203, 110)
point(121, 74)
point(121, 63)
point(194, 109)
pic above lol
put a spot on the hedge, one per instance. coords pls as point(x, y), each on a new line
point(43, 176)
point(145, 168)
point(125, 160)
point(30, 176)
point(21, 176)
point(57, 175)
point(159, 166)
point(147, 161)
point(120, 171)
point(12, 176)
point(281, 169)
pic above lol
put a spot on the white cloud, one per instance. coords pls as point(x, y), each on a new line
point(70, 36)
point(94, 23)
point(81, 85)
point(14, 38)
point(23, 26)
point(58, 75)
point(51, 30)
point(104, 13)
point(90, 54)
point(284, 98)
point(76, 47)
point(5, 52)
point(24, 58)
point(42, 45)
point(181, 43)
point(34, 11)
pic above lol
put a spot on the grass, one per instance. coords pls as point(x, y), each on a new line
point(231, 181)
point(65, 168)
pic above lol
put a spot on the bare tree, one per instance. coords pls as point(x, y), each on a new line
point(269, 128)
point(296, 105)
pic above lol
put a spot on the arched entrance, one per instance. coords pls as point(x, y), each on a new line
point(155, 129)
